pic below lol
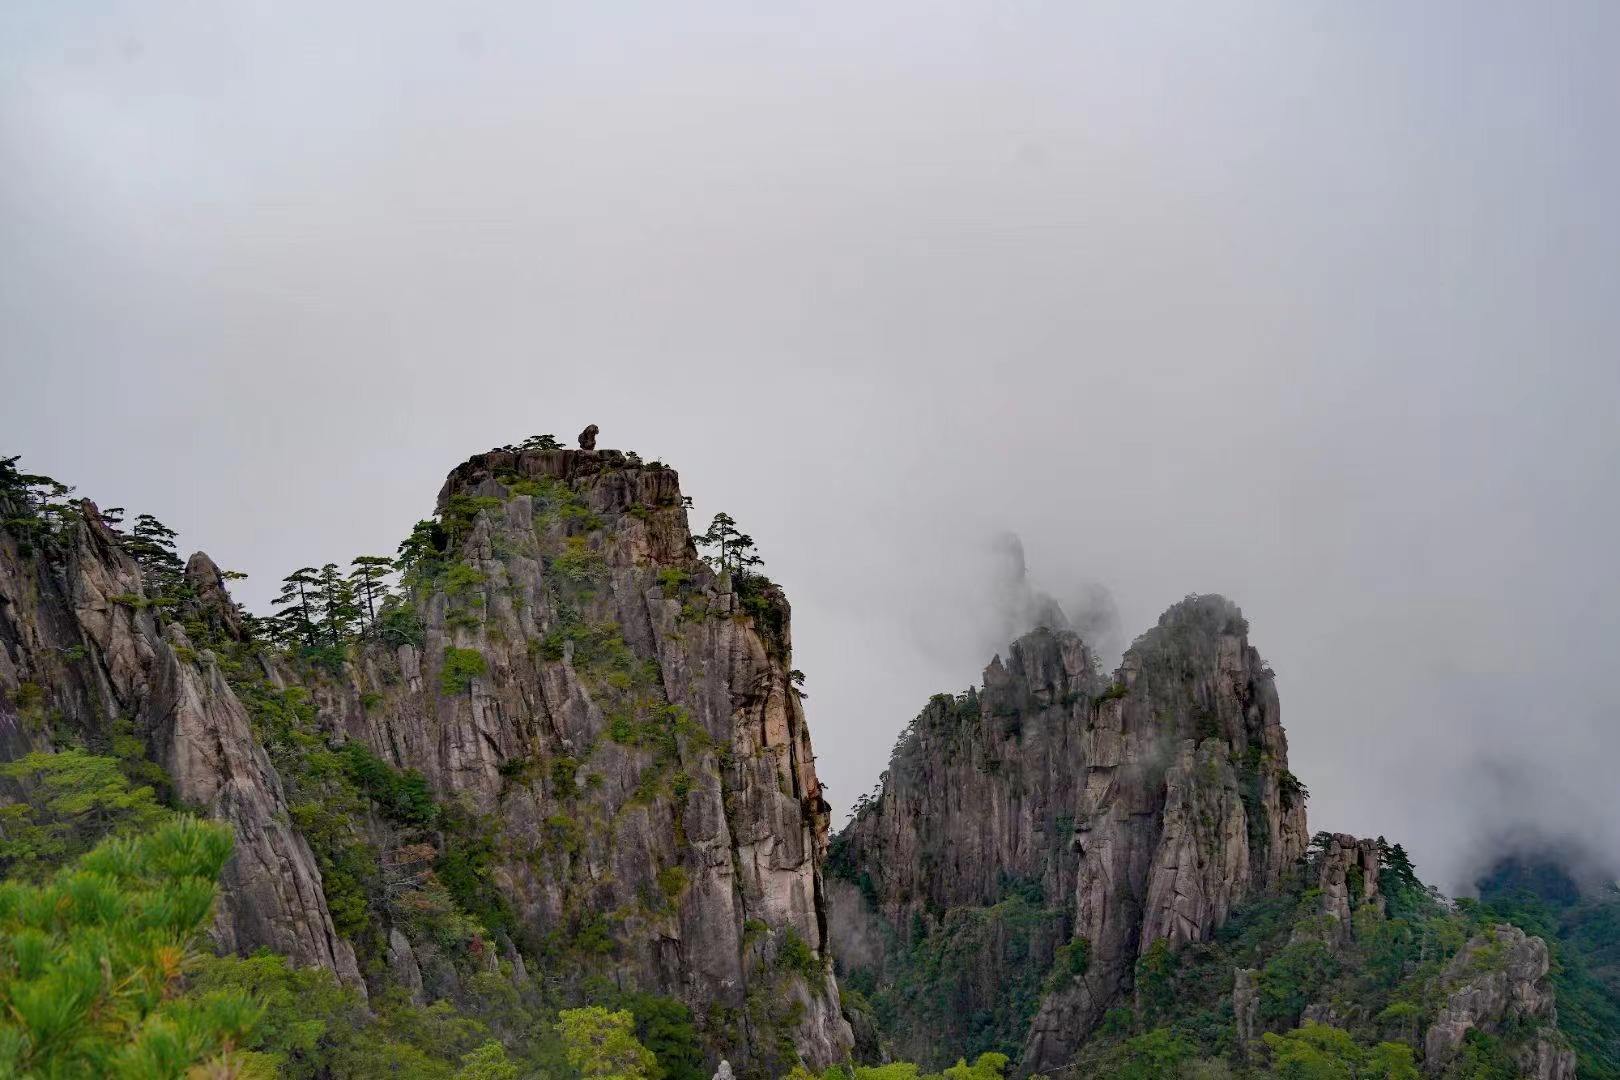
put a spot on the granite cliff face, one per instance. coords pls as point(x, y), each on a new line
point(619, 721)
point(629, 718)
point(1499, 982)
point(1141, 809)
point(83, 653)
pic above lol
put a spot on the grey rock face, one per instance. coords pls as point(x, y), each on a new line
point(634, 731)
point(91, 606)
point(1246, 1007)
point(1499, 979)
point(1347, 875)
point(402, 966)
point(1151, 803)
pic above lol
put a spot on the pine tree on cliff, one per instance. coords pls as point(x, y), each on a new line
point(734, 549)
point(298, 621)
point(339, 611)
point(722, 530)
point(369, 581)
point(152, 544)
point(32, 507)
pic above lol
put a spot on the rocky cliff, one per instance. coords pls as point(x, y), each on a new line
point(1499, 983)
point(84, 654)
point(563, 686)
point(629, 719)
point(1135, 809)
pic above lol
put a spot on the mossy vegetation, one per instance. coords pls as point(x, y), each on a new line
point(461, 667)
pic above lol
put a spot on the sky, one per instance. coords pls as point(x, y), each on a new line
point(1315, 305)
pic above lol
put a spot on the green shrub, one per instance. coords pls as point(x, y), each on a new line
point(461, 666)
point(70, 801)
point(399, 625)
point(672, 881)
point(402, 796)
point(90, 961)
point(794, 954)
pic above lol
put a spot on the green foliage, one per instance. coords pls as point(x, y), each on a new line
point(461, 666)
point(1294, 977)
point(932, 995)
point(1320, 1052)
point(1155, 968)
point(1583, 933)
point(733, 550)
point(1158, 1054)
point(402, 796)
point(70, 801)
point(794, 954)
point(305, 1011)
point(461, 578)
point(602, 1045)
point(672, 881)
point(577, 564)
point(1069, 963)
point(34, 508)
point(664, 1026)
point(987, 1066)
point(488, 1062)
point(398, 624)
point(90, 961)
point(314, 1028)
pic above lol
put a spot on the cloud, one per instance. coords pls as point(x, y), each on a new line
point(1314, 310)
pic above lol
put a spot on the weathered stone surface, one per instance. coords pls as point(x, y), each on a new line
point(1347, 876)
point(91, 604)
point(683, 835)
point(402, 966)
point(1148, 805)
point(1499, 980)
point(1246, 1008)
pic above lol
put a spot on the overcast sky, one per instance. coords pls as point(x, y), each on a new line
point(1311, 304)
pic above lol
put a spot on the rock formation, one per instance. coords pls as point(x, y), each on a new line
point(80, 634)
point(1499, 980)
point(1145, 807)
point(629, 718)
point(563, 666)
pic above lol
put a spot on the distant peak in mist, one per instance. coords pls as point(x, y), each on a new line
point(1021, 606)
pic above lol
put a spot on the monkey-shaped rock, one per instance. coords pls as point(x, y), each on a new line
point(587, 438)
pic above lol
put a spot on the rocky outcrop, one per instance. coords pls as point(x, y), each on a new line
point(628, 718)
point(1348, 876)
point(1245, 1008)
point(78, 634)
point(620, 722)
point(1498, 984)
point(1145, 806)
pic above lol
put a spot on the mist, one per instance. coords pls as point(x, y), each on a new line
point(1311, 305)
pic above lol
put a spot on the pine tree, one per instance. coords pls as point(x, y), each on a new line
point(734, 551)
point(338, 608)
point(298, 590)
point(91, 963)
point(33, 508)
point(369, 578)
point(152, 544)
point(421, 552)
